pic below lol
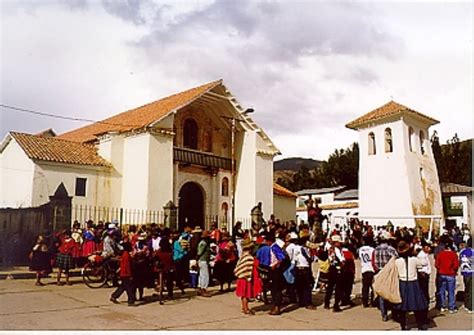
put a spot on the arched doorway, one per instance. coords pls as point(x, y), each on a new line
point(191, 206)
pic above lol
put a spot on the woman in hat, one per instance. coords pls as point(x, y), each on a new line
point(40, 260)
point(143, 275)
point(248, 282)
point(225, 262)
point(413, 299)
point(64, 260)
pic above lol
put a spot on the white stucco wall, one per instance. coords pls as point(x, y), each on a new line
point(16, 177)
point(111, 149)
point(389, 183)
point(160, 183)
point(284, 208)
point(48, 176)
point(245, 197)
point(264, 183)
point(135, 178)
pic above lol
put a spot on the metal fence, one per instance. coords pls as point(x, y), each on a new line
point(128, 216)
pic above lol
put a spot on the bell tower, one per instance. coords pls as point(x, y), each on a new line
point(398, 179)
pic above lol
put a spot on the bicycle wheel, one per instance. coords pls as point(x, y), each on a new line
point(94, 276)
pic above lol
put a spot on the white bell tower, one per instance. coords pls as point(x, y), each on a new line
point(398, 179)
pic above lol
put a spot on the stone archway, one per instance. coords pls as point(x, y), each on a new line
point(191, 206)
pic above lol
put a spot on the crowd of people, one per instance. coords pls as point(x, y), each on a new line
point(291, 261)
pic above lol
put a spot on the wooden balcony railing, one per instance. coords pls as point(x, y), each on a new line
point(201, 158)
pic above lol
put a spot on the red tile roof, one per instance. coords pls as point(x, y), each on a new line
point(391, 108)
point(57, 150)
point(140, 117)
point(280, 190)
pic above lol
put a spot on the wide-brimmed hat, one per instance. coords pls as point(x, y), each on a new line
point(385, 235)
point(292, 236)
point(247, 244)
point(197, 229)
point(142, 236)
point(403, 247)
point(336, 238)
point(304, 233)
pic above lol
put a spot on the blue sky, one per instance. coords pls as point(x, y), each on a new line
point(307, 68)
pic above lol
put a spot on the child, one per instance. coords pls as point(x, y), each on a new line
point(64, 260)
point(193, 273)
point(248, 282)
point(40, 260)
point(126, 276)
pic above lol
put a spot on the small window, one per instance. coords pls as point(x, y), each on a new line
point(225, 187)
point(422, 142)
point(372, 144)
point(81, 187)
point(190, 134)
point(388, 140)
point(411, 138)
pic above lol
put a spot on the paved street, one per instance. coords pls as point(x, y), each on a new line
point(24, 306)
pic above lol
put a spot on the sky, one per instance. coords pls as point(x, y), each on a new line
point(306, 68)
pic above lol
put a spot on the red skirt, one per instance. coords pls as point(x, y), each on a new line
point(247, 289)
point(89, 248)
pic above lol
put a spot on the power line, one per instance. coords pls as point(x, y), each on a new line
point(62, 117)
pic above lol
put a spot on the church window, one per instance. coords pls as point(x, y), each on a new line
point(411, 138)
point(422, 142)
point(80, 187)
point(225, 187)
point(190, 134)
point(388, 140)
point(372, 144)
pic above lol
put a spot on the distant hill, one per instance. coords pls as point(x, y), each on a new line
point(295, 163)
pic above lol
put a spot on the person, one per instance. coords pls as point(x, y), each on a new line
point(193, 273)
point(466, 257)
point(89, 246)
point(412, 298)
point(447, 264)
point(40, 260)
point(347, 275)
point(181, 257)
point(126, 276)
point(238, 234)
point(292, 249)
point(64, 260)
point(76, 235)
point(382, 255)
point(303, 275)
point(248, 282)
point(425, 271)
point(335, 284)
point(203, 258)
point(165, 258)
point(366, 253)
point(263, 256)
point(215, 233)
point(143, 275)
point(225, 262)
point(277, 266)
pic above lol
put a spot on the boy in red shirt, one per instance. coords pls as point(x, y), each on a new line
point(126, 277)
point(447, 264)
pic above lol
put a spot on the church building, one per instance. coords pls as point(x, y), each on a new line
point(182, 148)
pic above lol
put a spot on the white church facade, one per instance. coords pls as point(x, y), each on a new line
point(180, 148)
point(398, 179)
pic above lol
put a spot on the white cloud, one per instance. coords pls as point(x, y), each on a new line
point(307, 68)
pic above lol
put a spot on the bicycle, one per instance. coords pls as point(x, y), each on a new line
point(98, 272)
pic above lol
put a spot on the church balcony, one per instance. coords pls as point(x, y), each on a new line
point(190, 156)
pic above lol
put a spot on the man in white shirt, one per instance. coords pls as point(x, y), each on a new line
point(425, 271)
point(366, 252)
point(292, 249)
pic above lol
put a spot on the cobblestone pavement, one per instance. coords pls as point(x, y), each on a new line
point(24, 306)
